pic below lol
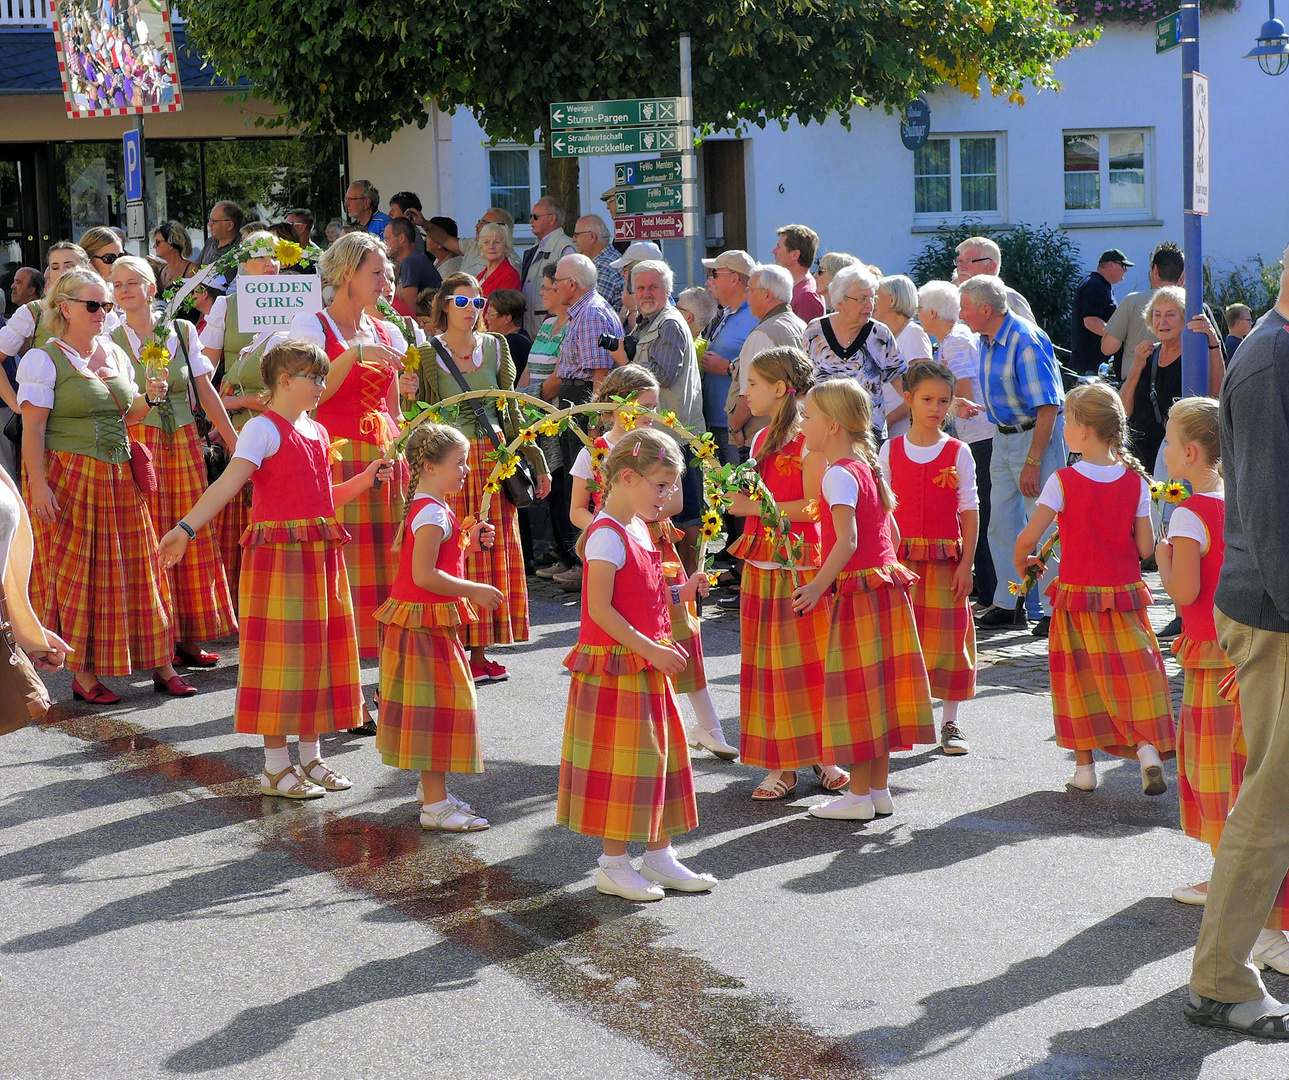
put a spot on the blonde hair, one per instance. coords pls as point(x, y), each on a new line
point(1099, 408)
point(1195, 419)
point(139, 266)
point(97, 239)
point(625, 382)
point(644, 451)
point(341, 261)
point(292, 356)
point(1168, 294)
point(429, 444)
point(792, 367)
point(847, 404)
point(67, 287)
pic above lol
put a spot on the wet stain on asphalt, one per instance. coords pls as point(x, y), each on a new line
point(608, 966)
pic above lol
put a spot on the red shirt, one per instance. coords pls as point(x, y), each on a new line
point(295, 483)
point(806, 301)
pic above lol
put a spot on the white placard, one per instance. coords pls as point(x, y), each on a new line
point(273, 301)
point(1199, 161)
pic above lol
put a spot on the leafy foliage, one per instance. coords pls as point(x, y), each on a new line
point(1040, 262)
point(1256, 283)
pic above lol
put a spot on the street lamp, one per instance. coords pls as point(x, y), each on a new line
point(1272, 49)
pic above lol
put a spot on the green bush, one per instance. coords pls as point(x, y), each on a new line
point(1255, 283)
point(1041, 263)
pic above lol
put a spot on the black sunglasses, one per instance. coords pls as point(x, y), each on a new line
point(94, 305)
point(110, 257)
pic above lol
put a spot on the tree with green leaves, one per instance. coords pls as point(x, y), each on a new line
point(369, 69)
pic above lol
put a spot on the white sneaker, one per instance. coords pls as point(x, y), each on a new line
point(1271, 950)
point(713, 741)
point(847, 808)
point(883, 805)
point(625, 882)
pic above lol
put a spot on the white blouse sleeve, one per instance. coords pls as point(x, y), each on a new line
point(840, 488)
point(213, 330)
point(582, 466)
point(1052, 496)
point(398, 342)
point(259, 440)
point(36, 378)
point(17, 331)
point(1187, 523)
point(198, 360)
point(432, 514)
point(307, 328)
point(605, 545)
point(968, 497)
point(884, 458)
point(1143, 503)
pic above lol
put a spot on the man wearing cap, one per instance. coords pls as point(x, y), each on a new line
point(727, 278)
point(640, 251)
point(1094, 303)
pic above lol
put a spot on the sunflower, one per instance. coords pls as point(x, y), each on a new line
point(1175, 491)
point(491, 487)
point(508, 470)
point(713, 578)
point(598, 454)
point(154, 355)
point(704, 448)
point(710, 530)
point(550, 428)
point(1157, 490)
point(716, 500)
point(768, 533)
point(670, 418)
point(1013, 588)
point(289, 253)
point(710, 517)
point(528, 435)
point(627, 418)
point(411, 358)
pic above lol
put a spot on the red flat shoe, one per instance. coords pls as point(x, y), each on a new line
point(175, 686)
point(201, 658)
point(97, 695)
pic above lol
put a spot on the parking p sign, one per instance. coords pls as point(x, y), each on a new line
point(133, 167)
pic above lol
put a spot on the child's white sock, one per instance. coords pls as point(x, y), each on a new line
point(276, 759)
point(705, 709)
point(851, 799)
point(310, 752)
point(1148, 756)
point(665, 862)
point(950, 712)
point(611, 862)
point(879, 793)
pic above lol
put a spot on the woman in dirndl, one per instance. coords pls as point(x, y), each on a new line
point(96, 581)
point(202, 605)
point(483, 361)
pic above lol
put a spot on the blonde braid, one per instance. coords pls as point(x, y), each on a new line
point(415, 463)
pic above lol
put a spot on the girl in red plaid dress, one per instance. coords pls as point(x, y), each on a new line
point(428, 709)
point(624, 771)
point(876, 695)
point(298, 654)
point(938, 514)
point(1109, 689)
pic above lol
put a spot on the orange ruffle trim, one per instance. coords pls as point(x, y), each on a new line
point(608, 659)
point(1099, 598)
point(1199, 654)
point(874, 578)
point(754, 547)
point(413, 616)
point(916, 549)
point(294, 532)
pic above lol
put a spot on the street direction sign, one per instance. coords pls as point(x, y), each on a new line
point(624, 111)
point(1168, 32)
point(649, 200)
point(649, 227)
point(650, 171)
point(613, 141)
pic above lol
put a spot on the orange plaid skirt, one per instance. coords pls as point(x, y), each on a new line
point(945, 629)
point(372, 520)
point(685, 628)
point(1109, 689)
point(202, 604)
point(876, 694)
point(502, 566)
point(95, 578)
point(624, 771)
point(230, 523)
point(1205, 733)
point(299, 653)
point(781, 679)
point(428, 711)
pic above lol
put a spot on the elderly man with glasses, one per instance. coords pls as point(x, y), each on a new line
point(224, 225)
point(553, 243)
point(362, 204)
point(979, 255)
point(591, 235)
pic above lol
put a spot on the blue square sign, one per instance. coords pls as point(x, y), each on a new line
point(133, 167)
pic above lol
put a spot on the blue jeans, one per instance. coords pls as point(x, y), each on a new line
point(1009, 510)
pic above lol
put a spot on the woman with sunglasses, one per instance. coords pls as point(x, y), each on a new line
point(104, 247)
point(95, 580)
point(484, 361)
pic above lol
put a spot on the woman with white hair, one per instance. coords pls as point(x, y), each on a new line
point(699, 308)
point(850, 343)
point(496, 247)
point(897, 307)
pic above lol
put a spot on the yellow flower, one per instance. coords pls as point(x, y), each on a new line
point(1156, 490)
point(713, 578)
point(508, 470)
point(627, 418)
point(715, 500)
point(710, 530)
point(411, 358)
point(598, 454)
point(711, 518)
point(492, 487)
point(768, 533)
point(1175, 491)
point(704, 449)
point(670, 418)
point(528, 435)
point(1014, 588)
point(550, 428)
point(288, 253)
point(154, 355)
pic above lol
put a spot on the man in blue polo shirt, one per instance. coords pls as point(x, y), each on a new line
point(727, 277)
point(362, 204)
point(1024, 397)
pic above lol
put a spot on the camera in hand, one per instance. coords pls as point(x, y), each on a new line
point(611, 343)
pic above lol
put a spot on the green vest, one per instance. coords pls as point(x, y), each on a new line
point(85, 418)
point(175, 411)
point(443, 384)
point(234, 340)
point(242, 375)
point(42, 334)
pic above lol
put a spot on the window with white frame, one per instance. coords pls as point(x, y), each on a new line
point(516, 180)
point(959, 176)
point(1107, 173)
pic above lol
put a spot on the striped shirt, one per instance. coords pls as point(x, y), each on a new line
point(1019, 373)
point(609, 282)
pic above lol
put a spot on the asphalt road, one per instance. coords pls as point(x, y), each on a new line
point(161, 919)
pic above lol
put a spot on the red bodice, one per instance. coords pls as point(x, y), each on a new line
point(359, 409)
point(872, 523)
point(451, 559)
point(1197, 617)
point(295, 483)
point(1097, 525)
point(639, 592)
point(927, 500)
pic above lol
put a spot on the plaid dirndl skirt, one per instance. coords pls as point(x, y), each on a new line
point(428, 710)
point(1109, 689)
point(202, 605)
point(95, 578)
point(781, 678)
point(1205, 737)
point(502, 566)
point(624, 771)
point(230, 523)
point(945, 629)
point(686, 630)
point(372, 520)
point(299, 652)
point(876, 694)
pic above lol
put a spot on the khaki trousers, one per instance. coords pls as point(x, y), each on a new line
point(1253, 855)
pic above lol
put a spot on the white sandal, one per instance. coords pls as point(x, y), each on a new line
point(330, 779)
point(460, 803)
point(451, 818)
point(301, 789)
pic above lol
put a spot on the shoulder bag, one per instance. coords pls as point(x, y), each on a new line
point(215, 458)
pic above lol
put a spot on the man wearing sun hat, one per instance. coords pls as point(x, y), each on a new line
point(1094, 303)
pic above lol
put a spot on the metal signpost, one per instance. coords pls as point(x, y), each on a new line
point(136, 224)
point(1194, 175)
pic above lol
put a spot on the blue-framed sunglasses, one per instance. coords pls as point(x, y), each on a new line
point(465, 301)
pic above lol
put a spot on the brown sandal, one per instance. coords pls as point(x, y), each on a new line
point(301, 789)
point(330, 779)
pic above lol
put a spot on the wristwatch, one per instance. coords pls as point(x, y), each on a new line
point(1032, 461)
point(730, 369)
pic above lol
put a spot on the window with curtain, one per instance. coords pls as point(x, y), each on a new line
point(516, 180)
point(957, 176)
point(1106, 173)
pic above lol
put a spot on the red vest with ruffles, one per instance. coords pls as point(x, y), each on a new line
point(872, 523)
point(781, 473)
point(359, 409)
point(926, 509)
point(451, 559)
point(1197, 617)
point(639, 592)
point(1098, 523)
point(295, 483)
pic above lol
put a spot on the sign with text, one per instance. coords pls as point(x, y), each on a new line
point(613, 141)
point(649, 171)
point(590, 114)
point(272, 301)
point(649, 227)
point(1200, 143)
point(916, 125)
point(1168, 32)
point(648, 200)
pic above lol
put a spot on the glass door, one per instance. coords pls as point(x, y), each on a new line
point(18, 246)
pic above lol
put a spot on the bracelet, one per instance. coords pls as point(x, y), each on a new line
point(675, 594)
point(1215, 348)
point(192, 533)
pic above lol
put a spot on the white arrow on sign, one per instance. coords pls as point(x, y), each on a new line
point(559, 144)
point(557, 115)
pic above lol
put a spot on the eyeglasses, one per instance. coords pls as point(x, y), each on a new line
point(217, 220)
point(356, 198)
point(718, 273)
point(320, 381)
point(93, 306)
point(972, 262)
point(663, 492)
point(465, 301)
point(862, 298)
point(538, 217)
point(110, 257)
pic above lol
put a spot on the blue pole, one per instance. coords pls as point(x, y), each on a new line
point(1194, 346)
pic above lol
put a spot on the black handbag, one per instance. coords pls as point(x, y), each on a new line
point(215, 459)
point(520, 489)
point(13, 428)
